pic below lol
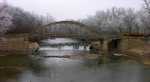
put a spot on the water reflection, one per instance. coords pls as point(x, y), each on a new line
point(39, 69)
point(11, 68)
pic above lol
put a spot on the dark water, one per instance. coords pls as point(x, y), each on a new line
point(37, 69)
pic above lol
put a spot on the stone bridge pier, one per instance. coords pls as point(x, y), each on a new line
point(106, 46)
point(119, 45)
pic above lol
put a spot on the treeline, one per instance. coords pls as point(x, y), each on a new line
point(16, 20)
point(112, 21)
point(119, 20)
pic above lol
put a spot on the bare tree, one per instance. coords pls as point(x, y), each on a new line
point(145, 17)
point(147, 5)
point(116, 20)
point(129, 20)
point(25, 22)
point(5, 19)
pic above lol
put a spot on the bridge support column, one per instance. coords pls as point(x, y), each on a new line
point(103, 50)
point(105, 47)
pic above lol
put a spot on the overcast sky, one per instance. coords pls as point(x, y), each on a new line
point(72, 9)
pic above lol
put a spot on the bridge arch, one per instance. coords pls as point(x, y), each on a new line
point(69, 29)
point(78, 31)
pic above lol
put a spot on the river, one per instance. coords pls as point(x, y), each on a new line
point(52, 69)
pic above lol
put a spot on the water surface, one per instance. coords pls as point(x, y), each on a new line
point(39, 69)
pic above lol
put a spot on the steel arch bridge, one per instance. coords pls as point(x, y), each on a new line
point(68, 29)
